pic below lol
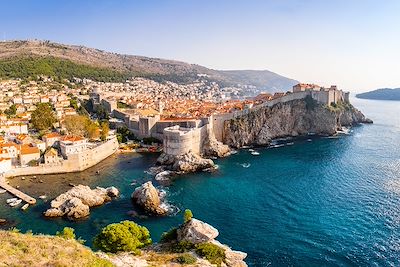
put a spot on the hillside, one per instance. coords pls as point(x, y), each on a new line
point(155, 68)
point(381, 94)
point(41, 250)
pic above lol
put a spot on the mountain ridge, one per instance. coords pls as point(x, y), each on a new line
point(164, 69)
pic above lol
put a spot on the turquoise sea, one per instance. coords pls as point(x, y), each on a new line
point(324, 202)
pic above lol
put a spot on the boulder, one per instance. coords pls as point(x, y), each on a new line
point(148, 197)
point(185, 163)
point(76, 202)
point(112, 191)
point(196, 231)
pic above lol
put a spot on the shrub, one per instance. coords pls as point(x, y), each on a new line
point(67, 233)
point(123, 236)
point(211, 252)
point(186, 259)
point(187, 216)
point(169, 236)
point(183, 246)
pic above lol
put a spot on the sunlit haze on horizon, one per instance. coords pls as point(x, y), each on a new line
point(353, 44)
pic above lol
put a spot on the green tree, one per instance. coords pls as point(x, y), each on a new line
point(123, 236)
point(81, 125)
point(105, 129)
point(67, 233)
point(187, 216)
point(11, 111)
point(43, 117)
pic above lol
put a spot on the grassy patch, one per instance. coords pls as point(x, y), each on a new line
point(18, 249)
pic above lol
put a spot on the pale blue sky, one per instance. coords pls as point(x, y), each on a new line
point(352, 43)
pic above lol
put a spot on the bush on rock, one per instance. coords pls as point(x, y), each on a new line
point(123, 236)
point(211, 252)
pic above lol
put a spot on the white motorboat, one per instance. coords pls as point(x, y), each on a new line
point(15, 203)
point(24, 207)
point(255, 153)
point(2, 191)
point(10, 200)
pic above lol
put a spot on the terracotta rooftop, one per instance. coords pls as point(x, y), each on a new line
point(27, 149)
point(52, 135)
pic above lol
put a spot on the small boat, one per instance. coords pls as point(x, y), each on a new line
point(10, 200)
point(22, 178)
point(333, 137)
point(290, 144)
point(2, 191)
point(43, 197)
point(24, 207)
point(279, 145)
point(233, 152)
point(309, 140)
point(97, 172)
point(245, 165)
point(255, 153)
point(251, 150)
point(15, 203)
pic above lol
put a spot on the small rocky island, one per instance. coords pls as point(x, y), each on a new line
point(148, 198)
point(76, 202)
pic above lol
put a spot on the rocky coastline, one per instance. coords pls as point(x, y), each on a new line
point(290, 119)
point(259, 128)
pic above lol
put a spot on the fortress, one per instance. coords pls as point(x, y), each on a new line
point(180, 136)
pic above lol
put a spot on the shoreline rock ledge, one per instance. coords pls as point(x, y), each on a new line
point(196, 231)
point(148, 197)
point(185, 163)
point(76, 202)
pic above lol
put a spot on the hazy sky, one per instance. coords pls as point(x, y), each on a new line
point(352, 43)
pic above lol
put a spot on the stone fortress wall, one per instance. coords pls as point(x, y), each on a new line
point(179, 140)
point(182, 136)
point(74, 163)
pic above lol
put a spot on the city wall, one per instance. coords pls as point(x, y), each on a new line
point(75, 163)
point(179, 140)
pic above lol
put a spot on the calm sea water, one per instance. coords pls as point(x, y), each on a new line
point(329, 202)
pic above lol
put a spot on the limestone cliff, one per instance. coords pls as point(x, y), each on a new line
point(294, 118)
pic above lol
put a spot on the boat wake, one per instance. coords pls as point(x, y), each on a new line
point(245, 165)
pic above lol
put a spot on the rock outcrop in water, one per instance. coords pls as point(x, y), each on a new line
point(185, 163)
point(294, 118)
point(76, 202)
point(148, 198)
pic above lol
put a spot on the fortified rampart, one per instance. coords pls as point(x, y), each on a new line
point(179, 140)
point(74, 163)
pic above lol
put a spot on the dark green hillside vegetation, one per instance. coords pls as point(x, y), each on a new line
point(31, 67)
point(381, 94)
